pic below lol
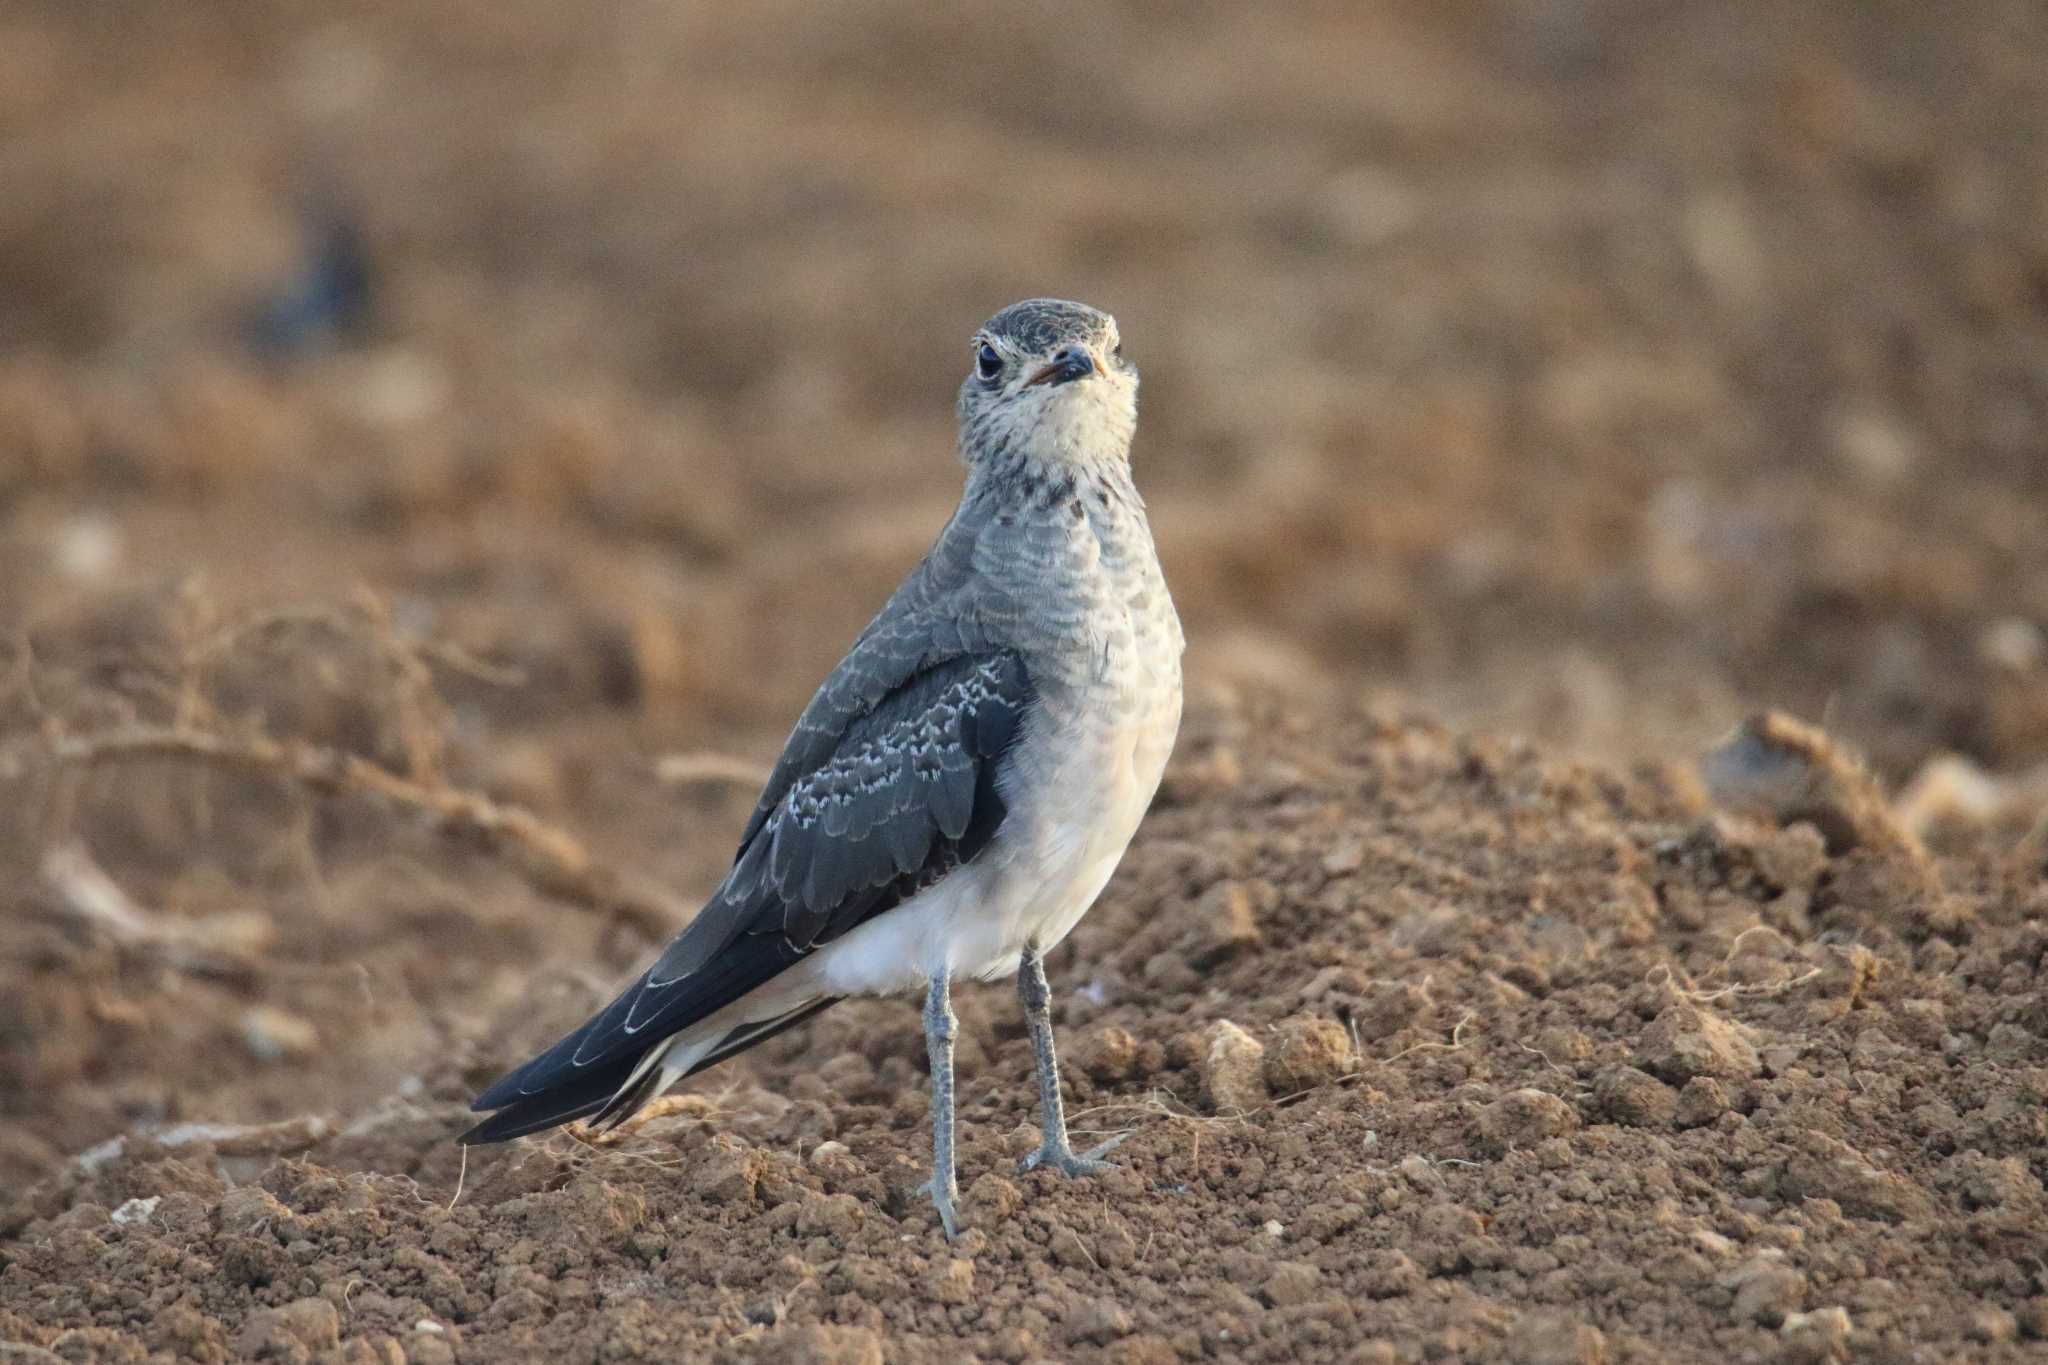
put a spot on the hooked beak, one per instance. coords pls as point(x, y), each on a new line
point(1075, 362)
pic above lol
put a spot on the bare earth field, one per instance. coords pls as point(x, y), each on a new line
point(1533, 393)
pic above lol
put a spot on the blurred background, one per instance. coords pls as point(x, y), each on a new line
point(1589, 370)
point(1593, 370)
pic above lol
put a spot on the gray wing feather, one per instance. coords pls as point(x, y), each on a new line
point(909, 775)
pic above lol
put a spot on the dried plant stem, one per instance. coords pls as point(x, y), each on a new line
point(552, 859)
point(707, 768)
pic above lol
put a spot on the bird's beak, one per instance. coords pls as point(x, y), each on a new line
point(1075, 362)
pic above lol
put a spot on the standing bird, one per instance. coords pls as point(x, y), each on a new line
point(959, 790)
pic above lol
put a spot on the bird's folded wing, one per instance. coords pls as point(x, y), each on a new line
point(852, 824)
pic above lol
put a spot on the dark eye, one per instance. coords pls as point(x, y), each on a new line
point(987, 363)
point(1117, 351)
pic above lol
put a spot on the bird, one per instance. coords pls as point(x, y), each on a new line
point(959, 789)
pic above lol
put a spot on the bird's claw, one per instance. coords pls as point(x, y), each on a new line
point(946, 1204)
point(1058, 1156)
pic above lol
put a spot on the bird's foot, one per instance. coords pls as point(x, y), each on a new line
point(946, 1202)
point(1056, 1155)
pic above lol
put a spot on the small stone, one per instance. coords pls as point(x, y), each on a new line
point(1554, 1339)
point(1703, 1100)
point(827, 1152)
point(1291, 1283)
point(1224, 925)
point(1309, 1051)
point(2033, 1318)
point(1633, 1097)
point(1233, 1074)
point(1687, 1041)
point(1524, 1118)
point(951, 1281)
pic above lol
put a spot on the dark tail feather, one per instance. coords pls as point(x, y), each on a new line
point(550, 1108)
point(598, 1096)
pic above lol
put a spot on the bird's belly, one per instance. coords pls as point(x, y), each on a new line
point(1076, 801)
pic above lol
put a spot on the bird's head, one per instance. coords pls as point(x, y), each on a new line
point(1047, 383)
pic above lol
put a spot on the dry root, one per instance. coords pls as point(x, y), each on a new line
point(552, 859)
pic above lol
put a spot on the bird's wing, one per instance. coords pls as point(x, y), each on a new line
point(887, 784)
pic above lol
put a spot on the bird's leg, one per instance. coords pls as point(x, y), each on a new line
point(1055, 1153)
point(939, 1029)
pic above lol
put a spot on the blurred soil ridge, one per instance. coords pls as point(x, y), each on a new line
point(439, 450)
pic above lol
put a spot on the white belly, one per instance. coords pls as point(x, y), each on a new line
point(1076, 793)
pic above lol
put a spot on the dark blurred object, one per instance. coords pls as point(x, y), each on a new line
point(328, 304)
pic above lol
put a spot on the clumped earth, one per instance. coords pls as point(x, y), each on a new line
point(1428, 1046)
point(440, 446)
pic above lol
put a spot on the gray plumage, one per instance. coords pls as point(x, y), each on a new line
point(960, 788)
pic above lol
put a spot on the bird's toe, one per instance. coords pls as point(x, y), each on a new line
point(1058, 1156)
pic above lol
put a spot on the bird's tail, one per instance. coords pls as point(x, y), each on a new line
point(607, 1096)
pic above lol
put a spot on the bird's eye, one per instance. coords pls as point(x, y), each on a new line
point(987, 363)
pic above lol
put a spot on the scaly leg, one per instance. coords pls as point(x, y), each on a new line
point(1055, 1153)
point(939, 1029)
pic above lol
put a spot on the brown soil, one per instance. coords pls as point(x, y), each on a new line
point(1598, 373)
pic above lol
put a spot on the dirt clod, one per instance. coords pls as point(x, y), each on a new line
point(1307, 1051)
point(1525, 1118)
point(1556, 1339)
point(291, 1332)
point(1815, 1338)
point(1625, 1094)
point(1686, 1041)
point(1224, 925)
point(951, 1281)
point(1703, 1100)
point(1291, 1283)
point(1766, 1289)
point(1233, 1069)
point(1108, 1055)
